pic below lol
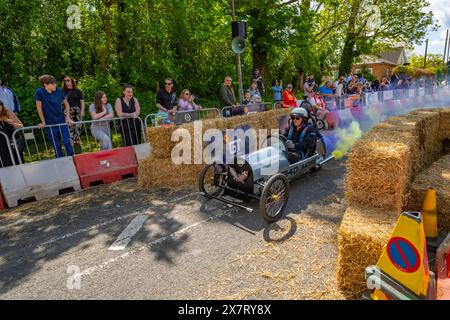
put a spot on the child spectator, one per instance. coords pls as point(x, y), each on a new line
point(101, 110)
point(277, 89)
point(49, 99)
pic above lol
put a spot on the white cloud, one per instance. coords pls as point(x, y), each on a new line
point(436, 39)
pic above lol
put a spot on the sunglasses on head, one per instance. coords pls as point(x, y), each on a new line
point(168, 83)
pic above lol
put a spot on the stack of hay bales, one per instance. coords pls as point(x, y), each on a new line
point(381, 169)
point(159, 170)
point(363, 233)
point(437, 176)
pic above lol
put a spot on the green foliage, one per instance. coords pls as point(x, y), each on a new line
point(141, 42)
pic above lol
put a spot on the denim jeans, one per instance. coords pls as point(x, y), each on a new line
point(55, 134)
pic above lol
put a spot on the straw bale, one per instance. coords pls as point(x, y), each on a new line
point(160, 140)
point(444, 126)
point(362, 235)
point(162, 173)
point(379, 169)
point(438, 177)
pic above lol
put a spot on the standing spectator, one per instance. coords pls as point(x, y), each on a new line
point(260, 83)
point(247, 98)
point(326, 90)
point(8, 124)
point(277, 89)
point(75, 98)
point(376, 85)
point(367, 88)
point(166, 98)
point(101, 110)
point(309, 86)
point(226, 93)
point(49, 99)
point(128, 108)
point(384, 85)
point(394, 82)
point(9, 98)
point(318, 104)
point(255, 94)
point(289, 99)
point(186, 102)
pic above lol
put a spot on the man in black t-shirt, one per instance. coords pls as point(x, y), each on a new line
point(166, 98)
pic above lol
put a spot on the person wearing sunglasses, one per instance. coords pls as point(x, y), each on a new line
point(166, 98)
point(75, 98)
point(301, 136)
point(186, 101)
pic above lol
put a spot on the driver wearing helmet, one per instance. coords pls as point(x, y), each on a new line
point(301, 136)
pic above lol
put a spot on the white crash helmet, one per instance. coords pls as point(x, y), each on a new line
point(300, 112)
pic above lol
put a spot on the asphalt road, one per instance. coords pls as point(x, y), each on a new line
point(121, 242)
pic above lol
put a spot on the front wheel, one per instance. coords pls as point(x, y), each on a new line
point(212, 180)
point(274, 198)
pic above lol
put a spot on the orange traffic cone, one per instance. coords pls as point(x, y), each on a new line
point(429, 213)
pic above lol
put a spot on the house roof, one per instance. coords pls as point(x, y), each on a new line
point(396, 56)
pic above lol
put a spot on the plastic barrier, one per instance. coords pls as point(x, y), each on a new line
point(402, 271)
point(443, 270)
point(106, 166)
point(2, 204)
point(358, 113)
point(47, 143)
point(345, 116)
point(142, 151)
point(41, 180)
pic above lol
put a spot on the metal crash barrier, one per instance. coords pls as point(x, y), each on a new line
point(7, 156)
point(251, 108)
point(55, 141)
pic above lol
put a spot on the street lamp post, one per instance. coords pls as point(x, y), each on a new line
point(238, 60)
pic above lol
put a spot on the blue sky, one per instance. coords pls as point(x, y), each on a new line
point(436, 39)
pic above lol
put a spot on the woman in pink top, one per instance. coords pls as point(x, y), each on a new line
point(186, 102)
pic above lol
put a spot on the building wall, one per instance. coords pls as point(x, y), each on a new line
point(379, 70)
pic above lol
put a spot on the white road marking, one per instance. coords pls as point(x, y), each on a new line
point(130, 231)
point(105, 264)
point(120, 218)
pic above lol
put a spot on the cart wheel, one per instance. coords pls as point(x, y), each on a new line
point(320, 124)
point(322, 151)
point(274, 198)
point(211, 181)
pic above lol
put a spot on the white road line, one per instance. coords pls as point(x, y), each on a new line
point(130, 231)
point(105, 264)
point(120, 218)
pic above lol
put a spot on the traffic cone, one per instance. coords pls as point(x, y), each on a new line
point(429, 213)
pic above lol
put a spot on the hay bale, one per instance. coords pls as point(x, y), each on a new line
point(444, 125)
point(162, 173)
point(362, 235)
point(379, 169)
point(438, 177)
point(160, 140)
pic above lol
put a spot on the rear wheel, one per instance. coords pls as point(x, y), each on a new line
point(212, 180)
point(320, 124)
point(274, 198)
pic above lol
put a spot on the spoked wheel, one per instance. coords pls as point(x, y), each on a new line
point(274, 198)
point(322, 152)
point(212, 180)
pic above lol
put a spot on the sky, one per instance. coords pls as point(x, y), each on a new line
point(436, 39)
